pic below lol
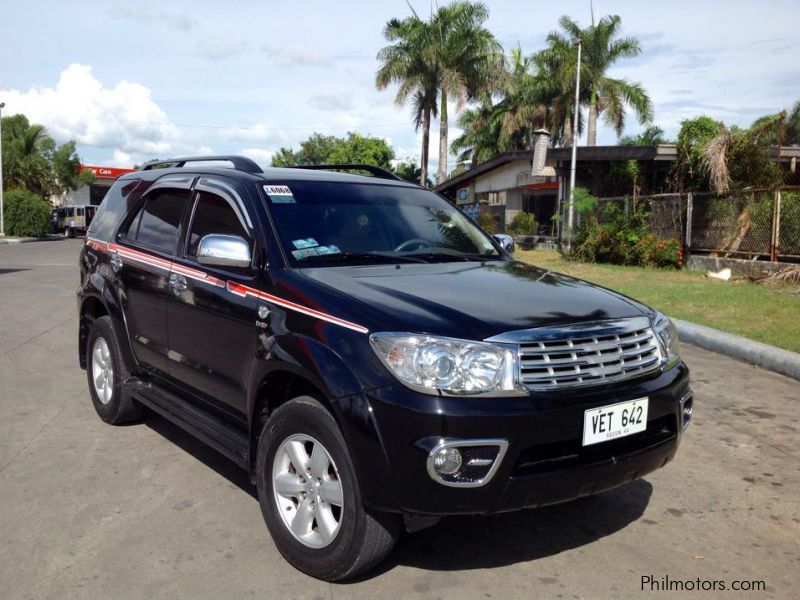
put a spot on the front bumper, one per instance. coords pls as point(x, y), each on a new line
point(544, 463)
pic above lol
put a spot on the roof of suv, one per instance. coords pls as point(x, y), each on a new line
point(267, 175)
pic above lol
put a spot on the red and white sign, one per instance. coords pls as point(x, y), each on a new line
point(104, 172)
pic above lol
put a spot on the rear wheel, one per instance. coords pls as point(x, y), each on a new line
point(106, 372)
point(69, 232)
point(310, 499)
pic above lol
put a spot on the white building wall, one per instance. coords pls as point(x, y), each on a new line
point(501, 178)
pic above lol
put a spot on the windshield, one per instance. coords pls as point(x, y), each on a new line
point(324, 223)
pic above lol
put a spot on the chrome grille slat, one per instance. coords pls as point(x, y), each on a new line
point(588, 356)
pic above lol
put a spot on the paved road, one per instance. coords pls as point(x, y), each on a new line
point(88, 510)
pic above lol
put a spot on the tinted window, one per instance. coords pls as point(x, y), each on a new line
point(159, 219)
point(326, 221)
point(213, 215)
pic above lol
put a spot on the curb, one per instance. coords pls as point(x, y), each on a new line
point(762, 355)
point(4, 241)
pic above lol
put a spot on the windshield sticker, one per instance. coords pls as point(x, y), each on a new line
point(279, 194)
point(305, 243)
point(304, 253)
point(322, 250)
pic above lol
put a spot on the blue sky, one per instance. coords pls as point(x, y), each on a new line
point(131, 81)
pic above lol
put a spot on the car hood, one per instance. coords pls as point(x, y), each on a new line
point(467, 299)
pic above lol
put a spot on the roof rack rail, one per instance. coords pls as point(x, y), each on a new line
point(378, 172)
point(240, 163)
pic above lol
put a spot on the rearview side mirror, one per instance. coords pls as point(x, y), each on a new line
point(505, 241)
point(224, 251)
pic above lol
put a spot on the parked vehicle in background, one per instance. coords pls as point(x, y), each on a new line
point(368, 354)
point(73, 219)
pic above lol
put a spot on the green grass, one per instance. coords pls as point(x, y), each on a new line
point(754, 311)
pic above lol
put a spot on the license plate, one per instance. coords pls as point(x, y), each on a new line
point(614, 421)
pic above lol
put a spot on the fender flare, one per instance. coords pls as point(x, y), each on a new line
point(97, 288)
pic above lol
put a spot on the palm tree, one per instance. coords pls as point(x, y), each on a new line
point(602, 47)
point(27, 149)
point(403, 63)
point(465, 57)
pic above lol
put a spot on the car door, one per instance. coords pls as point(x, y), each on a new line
point(142, 257)
point(212, 324)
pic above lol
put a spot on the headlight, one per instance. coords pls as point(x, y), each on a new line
point(668, 337)
point(457, 367)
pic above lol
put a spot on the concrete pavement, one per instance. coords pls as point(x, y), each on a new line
point(88, 510)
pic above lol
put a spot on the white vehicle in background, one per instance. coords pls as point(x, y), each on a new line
point(73, 219)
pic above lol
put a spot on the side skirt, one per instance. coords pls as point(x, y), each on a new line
point(213, 431)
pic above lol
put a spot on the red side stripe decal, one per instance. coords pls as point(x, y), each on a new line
point(231, 286)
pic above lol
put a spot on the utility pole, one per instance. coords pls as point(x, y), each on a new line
point(576, 114)
point(2, 221)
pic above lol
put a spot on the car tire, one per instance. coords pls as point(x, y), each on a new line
point(361, 538)
point(106, 372)
point(69, 233)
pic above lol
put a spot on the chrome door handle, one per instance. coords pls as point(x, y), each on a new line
point(177, 283)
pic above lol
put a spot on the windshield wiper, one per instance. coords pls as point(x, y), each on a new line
point(456, 256)
point(345, 256)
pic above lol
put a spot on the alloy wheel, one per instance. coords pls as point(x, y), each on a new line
point(102, 371)
point(308, 491)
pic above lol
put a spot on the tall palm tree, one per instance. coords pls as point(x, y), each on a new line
point(403, 63)
point(27, 149)
point(465, 57)
point(602, 47)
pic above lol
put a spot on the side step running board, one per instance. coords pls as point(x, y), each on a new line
point(224, 438)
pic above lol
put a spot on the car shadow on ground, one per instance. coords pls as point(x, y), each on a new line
point(482, 542)
point(206, 455)
point(470, 542)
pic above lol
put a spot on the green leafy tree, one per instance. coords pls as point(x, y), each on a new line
point(410, 171)
point(26, 213)
point(403, 63)
point(451, 56)
point(693, 136)
point(602, 47)
point(321, 149)
point(465, 56)
point(33, 161)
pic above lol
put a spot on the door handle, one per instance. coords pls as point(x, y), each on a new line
point(177, 283)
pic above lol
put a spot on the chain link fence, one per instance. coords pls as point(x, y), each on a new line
point(745, 224)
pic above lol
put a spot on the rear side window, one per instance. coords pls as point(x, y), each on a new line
point(213, 215)
point(159, 219)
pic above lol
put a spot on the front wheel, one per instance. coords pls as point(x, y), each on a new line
point(310, 499)
point(106, 372)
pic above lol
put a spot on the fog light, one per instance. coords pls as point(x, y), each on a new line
point(447, 461)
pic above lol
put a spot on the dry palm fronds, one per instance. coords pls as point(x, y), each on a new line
point(715, 161)
point(785, 277)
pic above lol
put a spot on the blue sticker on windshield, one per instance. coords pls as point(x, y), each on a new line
point(304, 243)
point(322, 250)
point(304, 253)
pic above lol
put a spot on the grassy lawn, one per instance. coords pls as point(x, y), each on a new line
point(747, 309)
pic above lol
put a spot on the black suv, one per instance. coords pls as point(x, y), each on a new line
point(366, 352)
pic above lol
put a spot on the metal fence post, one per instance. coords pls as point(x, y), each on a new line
point(688, 224)
point(774, 247)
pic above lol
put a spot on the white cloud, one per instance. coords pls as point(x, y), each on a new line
point(149, 15)
point(124, 118)
point(264, 132)
point(221, 48)
point(262, 156)
point(334, 100)
point(295, 56)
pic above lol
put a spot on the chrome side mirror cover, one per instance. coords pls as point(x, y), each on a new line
point(224, 251)
point(505, 241)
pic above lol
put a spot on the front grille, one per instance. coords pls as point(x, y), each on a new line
point(589, 357)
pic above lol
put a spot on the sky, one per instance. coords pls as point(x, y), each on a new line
point(131, 81)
